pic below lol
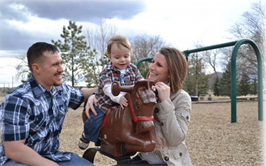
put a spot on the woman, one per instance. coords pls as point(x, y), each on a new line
point(172, 113)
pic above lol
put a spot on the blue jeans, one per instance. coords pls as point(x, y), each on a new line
point(93, 125)
point(76, 160)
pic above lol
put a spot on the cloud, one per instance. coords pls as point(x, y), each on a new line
point(11, 38)
point(76, 10)
point(13, 11)
point(24, 22)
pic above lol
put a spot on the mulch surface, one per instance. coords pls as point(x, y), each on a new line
point(212, 139)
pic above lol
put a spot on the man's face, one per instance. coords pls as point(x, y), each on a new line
point(50, 70)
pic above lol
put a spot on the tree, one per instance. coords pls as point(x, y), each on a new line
point(210, 57)
point(92, 69)
point(216, 88)
point(196, 82)
point(203, 85)
point(225, 82)
point(75, 53)
point(23, 71)
point(254, 87)
point(144, 46)
point(251, 25)
point(244, 85)
point(98, 38)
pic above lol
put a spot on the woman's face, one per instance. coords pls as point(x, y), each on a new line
point(159, 69)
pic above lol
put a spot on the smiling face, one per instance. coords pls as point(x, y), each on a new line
point(120, 56)
point(159, 69)
point(48, 70)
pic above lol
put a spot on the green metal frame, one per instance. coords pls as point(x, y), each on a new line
point(142, 60)
point(236, 45)
point(233, 79)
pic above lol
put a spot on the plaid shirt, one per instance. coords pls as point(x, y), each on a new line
point(32, 113)
point(111, 74)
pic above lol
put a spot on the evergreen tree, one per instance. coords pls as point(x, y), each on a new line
point(196, 82)
point(254, 90)
point(225, 82)
point(216, 87)
point(92, 68)
point(244, 85)
point(203, 85)
point(75, 53)
point(144, 69)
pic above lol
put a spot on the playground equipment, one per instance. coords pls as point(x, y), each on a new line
point(121, 154)
point(236, 45)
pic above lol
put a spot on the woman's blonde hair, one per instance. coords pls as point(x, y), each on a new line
point(177, 67)
point(119, 40)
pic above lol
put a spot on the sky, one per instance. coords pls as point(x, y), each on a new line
point(182, 24)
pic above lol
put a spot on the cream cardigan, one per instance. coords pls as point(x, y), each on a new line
point(174, 116)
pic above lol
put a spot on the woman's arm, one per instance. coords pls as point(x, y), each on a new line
point(174, 115)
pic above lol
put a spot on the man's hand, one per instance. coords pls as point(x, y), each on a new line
point(89, 106)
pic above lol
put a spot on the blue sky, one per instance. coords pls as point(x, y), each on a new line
point(180, 23)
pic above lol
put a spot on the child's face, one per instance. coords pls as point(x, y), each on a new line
point(120, 56)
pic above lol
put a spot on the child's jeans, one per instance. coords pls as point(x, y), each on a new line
point(93, 125)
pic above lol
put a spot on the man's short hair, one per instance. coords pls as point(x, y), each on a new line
point(35, 52)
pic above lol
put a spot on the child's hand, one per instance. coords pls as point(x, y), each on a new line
point(123, 102)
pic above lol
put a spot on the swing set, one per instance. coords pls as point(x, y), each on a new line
point(236, 45)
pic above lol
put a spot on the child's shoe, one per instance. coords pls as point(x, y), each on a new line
point(83, 142)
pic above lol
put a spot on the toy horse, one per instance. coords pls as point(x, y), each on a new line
point(129, 130)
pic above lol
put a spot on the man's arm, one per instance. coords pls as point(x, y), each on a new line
point(19, 152)
point(87, 92)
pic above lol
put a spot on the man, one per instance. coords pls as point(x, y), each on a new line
point(32, 115)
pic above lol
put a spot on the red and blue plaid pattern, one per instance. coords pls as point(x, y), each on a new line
point(111, 74)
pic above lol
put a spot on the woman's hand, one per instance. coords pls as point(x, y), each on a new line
point(89, 106)
point(163, 91)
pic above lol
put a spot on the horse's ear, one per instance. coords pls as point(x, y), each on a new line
point(150, 84)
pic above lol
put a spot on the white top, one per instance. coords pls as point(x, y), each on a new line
point(107, 89)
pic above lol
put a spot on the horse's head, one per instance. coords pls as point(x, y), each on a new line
point(142, 99)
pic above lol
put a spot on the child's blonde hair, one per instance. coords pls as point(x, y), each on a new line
point(119, 40)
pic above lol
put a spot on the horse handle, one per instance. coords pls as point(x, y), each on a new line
point(116, 88)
